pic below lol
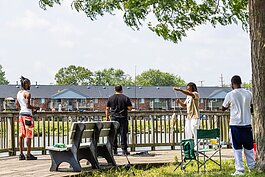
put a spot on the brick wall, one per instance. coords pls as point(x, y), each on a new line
point(101, 104)
point(145, 105)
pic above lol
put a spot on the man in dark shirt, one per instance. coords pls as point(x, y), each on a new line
point(117, 107)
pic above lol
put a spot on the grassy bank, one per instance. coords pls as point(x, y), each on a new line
point(168, 171)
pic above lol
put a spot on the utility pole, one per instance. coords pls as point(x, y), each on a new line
point(222, 80)
point(201, 83)
point(135, 107)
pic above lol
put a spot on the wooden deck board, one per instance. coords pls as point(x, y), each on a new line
point(11, 166)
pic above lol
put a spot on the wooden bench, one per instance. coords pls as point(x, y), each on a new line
point(76, 151)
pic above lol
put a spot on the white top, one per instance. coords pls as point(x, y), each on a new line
point(192, 105)
point(239, 101)
point(22, 102)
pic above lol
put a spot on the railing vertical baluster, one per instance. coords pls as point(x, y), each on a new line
point(58, 129)
point(38, 133)
point(165, 128)
point(153, 132)
point(43, 134)
point(68, 132)
point(161, 129)
point(156, 130)
point(149, 128)
point(63, 128)
point(144, 120)
point(5, 132)
point(49, 130)
point(135, 132)
point(140, 131)
point(17, 130)
point(1, 131)
point(11, 135)
point(53, 129)
point(132, 132)
point(180, 132)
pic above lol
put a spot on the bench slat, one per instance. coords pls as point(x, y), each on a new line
point(106, 124)
point(89, 126)
point(88, 133)
point(104, 132)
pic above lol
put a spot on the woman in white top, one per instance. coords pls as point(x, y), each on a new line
point(192, 121)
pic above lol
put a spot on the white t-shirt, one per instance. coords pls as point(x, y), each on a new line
point(192, 105)
point(239, 101)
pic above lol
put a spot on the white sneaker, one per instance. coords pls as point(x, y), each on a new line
point(237, 173)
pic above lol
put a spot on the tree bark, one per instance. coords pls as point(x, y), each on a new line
point(257, 36)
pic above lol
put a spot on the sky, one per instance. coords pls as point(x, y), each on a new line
point(36, 43)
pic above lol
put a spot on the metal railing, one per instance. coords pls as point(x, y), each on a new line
point(146, 128)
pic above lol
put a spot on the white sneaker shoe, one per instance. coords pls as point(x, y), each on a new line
point(237, 173)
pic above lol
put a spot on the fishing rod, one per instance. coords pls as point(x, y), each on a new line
point(176, 95)
point(128, 166)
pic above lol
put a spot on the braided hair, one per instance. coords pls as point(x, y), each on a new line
point(193, 86)
point(24, 80)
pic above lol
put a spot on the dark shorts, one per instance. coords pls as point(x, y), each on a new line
point(242, 136)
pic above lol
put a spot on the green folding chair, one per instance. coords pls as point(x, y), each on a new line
point(204, 138)
point(187, 153)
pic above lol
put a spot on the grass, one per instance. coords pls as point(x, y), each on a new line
point(168, 171)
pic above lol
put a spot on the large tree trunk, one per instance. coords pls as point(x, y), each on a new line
point(257, 36)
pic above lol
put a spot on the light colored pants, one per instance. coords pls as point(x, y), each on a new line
point(191, 126)
point(239, 165)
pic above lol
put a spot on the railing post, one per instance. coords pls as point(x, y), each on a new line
point(11, 135)
point(132, 134)
point(171, 131)
point(43, 136)
point(153, 133)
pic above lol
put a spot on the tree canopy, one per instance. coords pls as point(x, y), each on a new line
point(170, 19)
point(78, 75)
point(154, 77)
point(3, 80)
point(73, 75)
point(112, 77)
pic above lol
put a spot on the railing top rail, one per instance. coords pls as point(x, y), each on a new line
point(101, 113)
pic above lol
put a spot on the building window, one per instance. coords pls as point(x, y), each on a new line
point(141, 100)
point(42, 100)
point(157, 100)
point(95, 100)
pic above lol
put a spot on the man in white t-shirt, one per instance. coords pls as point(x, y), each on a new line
point(239, 101)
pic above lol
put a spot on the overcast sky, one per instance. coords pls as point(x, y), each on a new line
point(37, 43)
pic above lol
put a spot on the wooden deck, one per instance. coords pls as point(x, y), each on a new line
point(11, 166)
